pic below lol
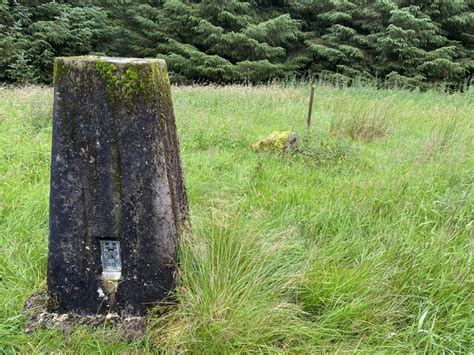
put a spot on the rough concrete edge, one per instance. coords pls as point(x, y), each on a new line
point(38, 317)
point(113, 60)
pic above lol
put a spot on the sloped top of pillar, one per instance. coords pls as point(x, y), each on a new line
point(119, 61)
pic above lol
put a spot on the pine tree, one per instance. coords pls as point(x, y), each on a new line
point(33, 35)
point(456, 22)
point(337, 42)
point(15, 61)
point(409, 43)
point(397, 42)
point(215, 40)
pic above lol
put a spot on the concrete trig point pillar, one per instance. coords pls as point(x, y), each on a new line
point(117, 199)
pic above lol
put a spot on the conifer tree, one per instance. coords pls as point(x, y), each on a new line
point(215, 40)
point(410, 43)
point(33, 35)
point(15, 61)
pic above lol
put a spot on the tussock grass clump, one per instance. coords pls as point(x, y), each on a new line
point(361, 242)
point(362, 122)
point(33, 103)
point(444, 138)
point(236, 287)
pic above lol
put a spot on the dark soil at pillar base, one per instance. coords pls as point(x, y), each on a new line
point(115, 175)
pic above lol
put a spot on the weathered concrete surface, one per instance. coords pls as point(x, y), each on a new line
point(115, 175)
point(113, 325)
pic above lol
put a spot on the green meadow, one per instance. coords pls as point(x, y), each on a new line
point(360, 241)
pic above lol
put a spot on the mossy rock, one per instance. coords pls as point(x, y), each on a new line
point(279, 141)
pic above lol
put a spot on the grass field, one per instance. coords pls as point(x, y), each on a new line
point(362, 242)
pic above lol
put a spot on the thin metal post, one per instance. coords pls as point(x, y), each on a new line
point(310, 109)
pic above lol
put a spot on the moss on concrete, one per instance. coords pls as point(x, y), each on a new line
point(137, 80)
point(59, 69)
point(147, 79)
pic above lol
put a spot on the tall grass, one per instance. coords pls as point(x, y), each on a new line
point(362, 241)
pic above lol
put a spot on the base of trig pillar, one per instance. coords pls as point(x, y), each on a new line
point(39, 317)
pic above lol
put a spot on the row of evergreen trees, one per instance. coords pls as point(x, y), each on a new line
point(411, 43)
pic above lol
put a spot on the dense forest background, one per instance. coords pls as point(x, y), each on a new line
point(409, 43)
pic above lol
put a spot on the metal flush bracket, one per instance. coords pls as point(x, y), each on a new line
point(110, 256)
